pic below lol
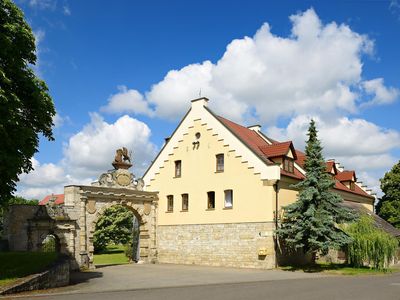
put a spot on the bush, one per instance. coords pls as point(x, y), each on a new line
point(129, 251)
point(370, 245)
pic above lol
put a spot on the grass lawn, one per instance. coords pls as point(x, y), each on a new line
point(113, 255)
point(14, 265)
point(339, 269)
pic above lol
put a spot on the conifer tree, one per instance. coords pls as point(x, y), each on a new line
point(311, 222)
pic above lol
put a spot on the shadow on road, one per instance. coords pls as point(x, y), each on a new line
point(80, 277)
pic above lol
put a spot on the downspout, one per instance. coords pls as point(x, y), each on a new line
point(276, 188)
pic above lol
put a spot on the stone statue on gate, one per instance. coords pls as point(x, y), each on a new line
point(122, 159)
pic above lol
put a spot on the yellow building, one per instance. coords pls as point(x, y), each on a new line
point(220, 186)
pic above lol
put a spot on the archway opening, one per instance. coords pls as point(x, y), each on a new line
point(116, 236)
point(50, 243)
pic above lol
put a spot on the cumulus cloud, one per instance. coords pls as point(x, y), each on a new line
point(89, 153)
point(317, 69)
point(127, 101)
point(381, 93)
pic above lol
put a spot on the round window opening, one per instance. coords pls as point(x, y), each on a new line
point(197, 135)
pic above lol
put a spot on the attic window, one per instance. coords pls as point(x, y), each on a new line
point(288, 164)
point(178, 168)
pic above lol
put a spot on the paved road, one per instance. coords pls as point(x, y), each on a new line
point(188, 282)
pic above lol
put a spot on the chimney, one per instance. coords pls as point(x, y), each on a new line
point(256, 127)
point(199, 102)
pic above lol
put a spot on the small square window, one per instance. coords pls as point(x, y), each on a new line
point(220, 162)
point(170, 203)
point(228, 198)
point(210, 200)
point(185, 202)
point(178, 168)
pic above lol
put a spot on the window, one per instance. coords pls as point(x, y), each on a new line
point(178, 168)
point(210, 200)
point(185, 202)
point(170, 203)
point(288, 165)
point(228, 198)
point(220, 162)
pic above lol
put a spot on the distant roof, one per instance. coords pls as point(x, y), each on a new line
point(379, 222)
point(58, 199)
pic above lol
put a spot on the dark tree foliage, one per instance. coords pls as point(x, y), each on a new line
point(115, 226)
point(310, 223)
point(388, 206)
point(26, 108)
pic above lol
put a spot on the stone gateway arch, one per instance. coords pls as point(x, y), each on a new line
point(74, 222)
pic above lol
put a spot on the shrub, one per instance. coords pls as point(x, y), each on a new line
point(370, 245)
point(129, 251)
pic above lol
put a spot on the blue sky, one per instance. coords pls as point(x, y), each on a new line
point(130, 68)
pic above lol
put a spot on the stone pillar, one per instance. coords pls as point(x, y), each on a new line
point(83, 234)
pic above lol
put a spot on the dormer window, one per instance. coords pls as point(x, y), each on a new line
point(288, 164)
point(352, 185)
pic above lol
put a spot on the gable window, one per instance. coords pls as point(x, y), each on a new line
point(170, 203)
point(228, 198)
point(220, 162)
point(185, 202)
point(178, 168)
point(288, 164)
point(210, 200)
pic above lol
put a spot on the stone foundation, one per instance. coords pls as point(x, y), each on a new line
point(244, 245)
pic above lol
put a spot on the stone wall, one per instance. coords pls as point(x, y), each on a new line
point(57, 275)
point(231, 244)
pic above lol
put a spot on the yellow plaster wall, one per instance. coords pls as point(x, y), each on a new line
point(253, 199)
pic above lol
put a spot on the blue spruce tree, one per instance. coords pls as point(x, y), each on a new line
point(311, 222)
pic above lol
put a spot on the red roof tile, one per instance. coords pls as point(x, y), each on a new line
point(301, 158)
point(329, 166)
point(59, 199)
point(249, 137)
point(346, 176)
point(278, 149)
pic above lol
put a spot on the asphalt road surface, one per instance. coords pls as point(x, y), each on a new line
point(274, 285)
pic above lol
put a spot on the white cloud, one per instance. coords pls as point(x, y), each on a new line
point(128, 101)
point(89, 153)
point(317, 69)
point(381, 94)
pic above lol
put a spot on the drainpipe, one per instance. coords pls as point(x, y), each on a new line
point(276, 188)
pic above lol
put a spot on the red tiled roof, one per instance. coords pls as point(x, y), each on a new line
point(278, 149)
point(264, 150)
point(59, 199)
point(346, 176)
point(329, 166)
point(249, 137)
point(301, 157)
